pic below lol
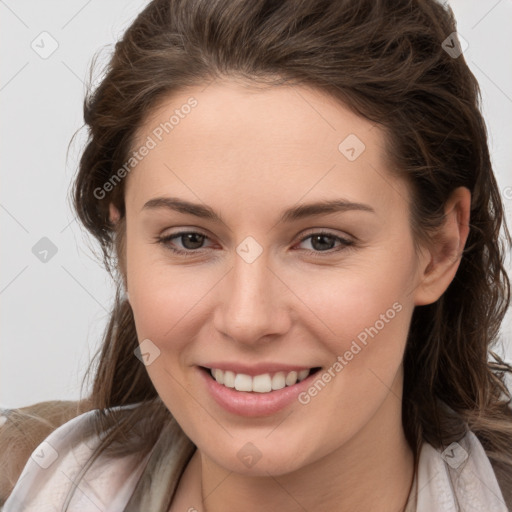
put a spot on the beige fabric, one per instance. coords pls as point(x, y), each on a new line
point(24, 428)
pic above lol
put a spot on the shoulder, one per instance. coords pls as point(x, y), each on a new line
point(460, 477)
point(22, 429)
point(57, 463)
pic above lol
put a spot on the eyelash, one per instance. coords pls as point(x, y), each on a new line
point(191, 252)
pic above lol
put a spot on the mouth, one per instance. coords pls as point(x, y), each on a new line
point(264, 383)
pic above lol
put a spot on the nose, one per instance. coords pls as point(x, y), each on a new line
point(252, 306)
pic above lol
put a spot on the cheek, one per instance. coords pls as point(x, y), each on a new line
point(161, 294)
point(164, 300)
point(358, 302)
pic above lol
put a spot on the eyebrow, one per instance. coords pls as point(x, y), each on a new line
point(291, 214)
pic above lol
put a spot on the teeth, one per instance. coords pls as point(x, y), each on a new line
point(260, 383)
point(243, 382)
point(279, 380)
point(218, 375)
point(229, 378)
point(291, 378)
point(302, 375)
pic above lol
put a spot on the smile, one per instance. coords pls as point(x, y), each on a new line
point(255, 396)
point(263, 383)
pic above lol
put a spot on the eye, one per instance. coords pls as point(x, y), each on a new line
point(191, 240)
point(323, 242)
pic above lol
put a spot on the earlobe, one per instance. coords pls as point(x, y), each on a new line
point(446, 249)
point(114, 214)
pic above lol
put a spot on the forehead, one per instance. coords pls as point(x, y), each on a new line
point(273, 141)
point(233, 110)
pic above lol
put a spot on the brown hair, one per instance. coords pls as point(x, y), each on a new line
point(383, 59)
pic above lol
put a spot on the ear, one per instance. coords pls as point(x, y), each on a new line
point(444, 253)
point(114, 217)
point(114, 214)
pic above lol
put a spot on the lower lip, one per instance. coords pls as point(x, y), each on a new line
point(253, 404)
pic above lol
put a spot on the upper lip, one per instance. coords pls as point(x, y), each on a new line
point(256, 369)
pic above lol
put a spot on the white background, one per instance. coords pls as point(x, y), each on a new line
point(53, 313)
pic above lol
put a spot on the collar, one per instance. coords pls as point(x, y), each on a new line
point(458, 478)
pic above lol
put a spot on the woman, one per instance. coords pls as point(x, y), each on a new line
point(246, 364)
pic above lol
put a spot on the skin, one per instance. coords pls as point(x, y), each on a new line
point(249, 154)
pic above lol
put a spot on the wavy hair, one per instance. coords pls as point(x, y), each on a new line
point(384, 59)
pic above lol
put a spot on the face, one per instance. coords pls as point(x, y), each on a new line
point(258, 291)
